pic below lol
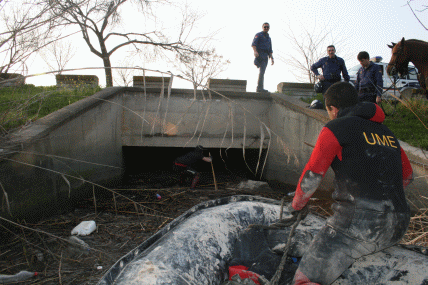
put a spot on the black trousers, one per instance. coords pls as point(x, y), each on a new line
point(186, 172)
point(367, 97)
point(326, 84)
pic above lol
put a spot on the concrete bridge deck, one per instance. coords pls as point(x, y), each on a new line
point(61, 157)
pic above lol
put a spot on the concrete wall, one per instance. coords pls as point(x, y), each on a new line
point(185, 119)
point(294, 124)
point(45, 166)
point(39, 162)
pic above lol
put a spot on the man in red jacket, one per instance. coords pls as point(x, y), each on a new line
point(371, 171)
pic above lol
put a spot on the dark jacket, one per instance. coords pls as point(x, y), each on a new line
point(191, 157)
point(331, 68)
point(371, 169)
point(263, 43)
point(369, 80)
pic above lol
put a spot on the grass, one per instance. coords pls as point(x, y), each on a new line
point(22, 105)
point(408, 120)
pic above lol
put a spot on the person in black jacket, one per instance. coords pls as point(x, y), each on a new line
point(371, 171)
point(183, 165)
point(369, 83)
point(332, 66)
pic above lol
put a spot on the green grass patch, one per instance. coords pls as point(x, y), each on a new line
point(309, 100)
point(407, 120)
point(21, 105)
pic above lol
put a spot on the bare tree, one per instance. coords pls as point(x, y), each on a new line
point(99, 22)
point(198, 68)
point(419, 10)
point(26, 28)
point(309, 46)
point(58, 54)
point(125, 73)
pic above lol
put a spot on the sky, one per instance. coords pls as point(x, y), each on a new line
point(360, 24)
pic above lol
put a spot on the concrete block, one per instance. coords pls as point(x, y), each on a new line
point(11, 79)
point(296, 89)
point(72, 80)
point(151, 81)
point(227, 85)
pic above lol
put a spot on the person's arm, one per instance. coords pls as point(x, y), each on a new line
point(271, 57)
point(357, 82)
point(315, 66)
point(314, 69)
point(271, 52)
point(379, 84)
point(207, 159)
point(254, 45)
point(407, 169)
point(326, 149)
point(344, 71)
point(256, 54)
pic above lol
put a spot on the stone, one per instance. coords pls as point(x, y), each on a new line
point(253, 185)
point(227, 85)
point(151, 81)
point(11, 79)
point(298, 90)
point(74, 80)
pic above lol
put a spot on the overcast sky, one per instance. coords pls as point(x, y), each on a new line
point(361, 24)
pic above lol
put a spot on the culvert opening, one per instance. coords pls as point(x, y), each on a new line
point(151, 167)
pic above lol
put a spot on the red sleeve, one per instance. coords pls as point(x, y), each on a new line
point(326, 149)
point(407, 169)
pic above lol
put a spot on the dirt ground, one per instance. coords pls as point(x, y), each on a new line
point(123, 222)
point(122, 225)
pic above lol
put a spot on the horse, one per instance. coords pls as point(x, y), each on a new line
point(415, 51)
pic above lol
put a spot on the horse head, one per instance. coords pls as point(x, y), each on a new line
point(399, 60)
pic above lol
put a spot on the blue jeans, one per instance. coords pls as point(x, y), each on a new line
point(263, 62)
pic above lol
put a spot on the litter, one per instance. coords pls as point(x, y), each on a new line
point(21, 276)
point(84, 228)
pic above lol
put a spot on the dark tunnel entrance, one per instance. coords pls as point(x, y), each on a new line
point(151, 167)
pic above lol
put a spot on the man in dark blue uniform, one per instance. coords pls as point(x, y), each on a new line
point(262, 46)
point(332, 66)
point(369, 82)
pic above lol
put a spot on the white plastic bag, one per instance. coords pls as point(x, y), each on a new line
point(84, 228)
point(21, 276)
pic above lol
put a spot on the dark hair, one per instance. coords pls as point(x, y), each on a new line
point(199, 147)
point(266, 23)
point(341, 95)
point(363, 55)
point(331, 46)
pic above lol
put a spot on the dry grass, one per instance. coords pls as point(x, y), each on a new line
point(417, 234)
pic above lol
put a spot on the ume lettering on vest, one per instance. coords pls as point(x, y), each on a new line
point(380, 140)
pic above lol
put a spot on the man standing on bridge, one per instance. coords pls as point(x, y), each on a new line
point(262, 47)
point(369, 82)
point(332, 66)
point(371, 171)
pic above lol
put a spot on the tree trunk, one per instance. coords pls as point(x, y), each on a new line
point(107, 69)
point(106, 60)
